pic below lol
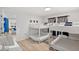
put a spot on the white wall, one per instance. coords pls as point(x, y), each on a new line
point(21, 26)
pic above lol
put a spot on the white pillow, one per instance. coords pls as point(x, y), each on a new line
point(63, 36)
point(62, 24)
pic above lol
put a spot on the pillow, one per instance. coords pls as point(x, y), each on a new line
point(61, 24)
point(63, 37)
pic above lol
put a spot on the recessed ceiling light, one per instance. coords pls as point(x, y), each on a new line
point(47, 9)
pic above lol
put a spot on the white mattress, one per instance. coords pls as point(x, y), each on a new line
point(65, 44)
point(41, 38)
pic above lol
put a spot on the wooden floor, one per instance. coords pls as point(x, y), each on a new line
point(30, 45)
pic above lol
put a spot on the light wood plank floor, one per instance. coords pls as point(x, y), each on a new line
point(30, 45)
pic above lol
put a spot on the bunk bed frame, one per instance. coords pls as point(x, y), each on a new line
point(37, 34)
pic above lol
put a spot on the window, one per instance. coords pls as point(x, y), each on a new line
point(62, 19)
point(52, 20)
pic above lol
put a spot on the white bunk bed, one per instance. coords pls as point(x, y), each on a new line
point(64, 43)
point(38, 32)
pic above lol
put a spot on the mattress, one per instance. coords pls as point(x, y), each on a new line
point(41, 38)
point(65, 44)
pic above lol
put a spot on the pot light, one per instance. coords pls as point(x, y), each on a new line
point(47, 9)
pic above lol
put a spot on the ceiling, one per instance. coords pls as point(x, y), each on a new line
point(37, 11)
